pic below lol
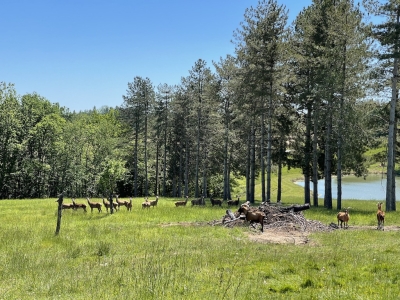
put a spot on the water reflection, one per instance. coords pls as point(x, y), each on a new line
point(372, 188)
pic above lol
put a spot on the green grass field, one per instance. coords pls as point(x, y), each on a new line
point(172, 253)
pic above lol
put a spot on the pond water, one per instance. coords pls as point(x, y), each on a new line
point(373, 187)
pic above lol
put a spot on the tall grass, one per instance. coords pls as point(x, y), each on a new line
point(170, 252)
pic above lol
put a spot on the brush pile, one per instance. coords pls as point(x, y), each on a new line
point(278, 217)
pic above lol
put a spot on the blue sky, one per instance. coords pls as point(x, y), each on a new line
point(82, 54)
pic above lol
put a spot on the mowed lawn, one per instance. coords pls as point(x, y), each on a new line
point(170, 252)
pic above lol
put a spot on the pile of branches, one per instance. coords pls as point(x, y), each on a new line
point(277, 217)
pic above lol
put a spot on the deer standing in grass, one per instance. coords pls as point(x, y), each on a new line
point(67, 205)
point(182, 203)
point(199, 201)
point(94, 205)
point(153, 203)
point(129, 205)
point(233, 202)
point(380, 215)
point(122, 203)
point(343, 217)
point(146, 204)
point(78, 205)
point(107, 205)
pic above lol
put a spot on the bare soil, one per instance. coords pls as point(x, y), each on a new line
point(280, 235)
point(295, 237)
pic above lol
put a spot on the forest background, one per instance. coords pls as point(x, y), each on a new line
point(312, 94)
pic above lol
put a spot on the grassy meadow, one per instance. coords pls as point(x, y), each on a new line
point(170, 252)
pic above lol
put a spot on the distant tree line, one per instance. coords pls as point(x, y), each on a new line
point(307, 94)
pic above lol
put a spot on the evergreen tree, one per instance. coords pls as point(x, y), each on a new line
point(259, 47)
point(388, 35)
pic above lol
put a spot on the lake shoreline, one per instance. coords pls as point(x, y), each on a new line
point(371, 187)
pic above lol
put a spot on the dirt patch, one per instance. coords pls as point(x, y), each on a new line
point(288, 235)
point(386, 228)
point(281, 237)
point(295, 237)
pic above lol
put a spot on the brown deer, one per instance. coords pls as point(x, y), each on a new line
point(121, 203)
point(129, 205)
point(94, 205)
point(146, 204)
point(233, 202)
point(252, 216)
point(215, 201)
point(380, 215)
point(182, 203)
point(154, 202)
point(78, 205)
point(343, 217)
point(108, 205)
point(67, 205)
point(199, 201)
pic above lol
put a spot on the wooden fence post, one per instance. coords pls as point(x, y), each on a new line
point(59, 212)
point(111, 204)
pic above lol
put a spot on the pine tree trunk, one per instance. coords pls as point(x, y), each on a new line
point(328, 157)
point(340, 132)
point(391, 179)
point(157, 162)
point(229, 183)
point(269, 144)
point(390, 192)
point(165, 146)
point(173, 187)
point(248, 165)
point(186, 168)
point(226, 172)
point(279, 191)
point(315, 153)
point(263, 196)
point(253, 164)
point(307, 158)
point(135, 184)
point(205, 173)
point(394, 161)
point(146, 186)
point(196, 192)
point(339, 160)
point(180, 175)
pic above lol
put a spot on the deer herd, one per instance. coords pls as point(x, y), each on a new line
point(343, 217)
point(146, 204)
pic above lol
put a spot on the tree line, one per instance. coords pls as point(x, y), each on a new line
point(307, 94)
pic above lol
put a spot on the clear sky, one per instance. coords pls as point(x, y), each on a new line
point(82, 54)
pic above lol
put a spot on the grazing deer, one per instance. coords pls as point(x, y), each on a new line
point(380, 215)
point(182, 203)
point(199, 201)
point(94, 205)
point(233, 202)
point(67, 205)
